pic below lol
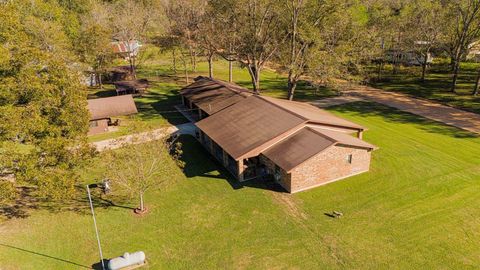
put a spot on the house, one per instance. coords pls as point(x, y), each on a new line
point(474, 51)
point(103, 109)
point(409, 58)
point(126, 48)
point(300, 145)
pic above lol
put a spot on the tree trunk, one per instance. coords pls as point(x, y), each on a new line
point(142, 206)
point(100, 83)
point(477, 84)
point(174, 60)
point(230, 71)
point(456, 67)
point(210, 66)
point(424, 70)
point(292, 85)
point(194, 61)
point(186, 75)
point(291, 91)
point(380, 69)
point(132, 67)
point(185, 70)
point(255, 76)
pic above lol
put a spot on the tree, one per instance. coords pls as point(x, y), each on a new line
point(43, 114)
point(304, 21)
point(94, 40)
point(340, 42)
point(131, 22)
point(139, 167)
point(184, 17)
point(208, 34)
point(463, 27)
point(169, 43)
point(219, 23)
point(255, 31)
point(424, 30)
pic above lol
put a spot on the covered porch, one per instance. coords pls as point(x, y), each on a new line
point(243, 169)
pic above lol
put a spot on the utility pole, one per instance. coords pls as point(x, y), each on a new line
point(96, 229)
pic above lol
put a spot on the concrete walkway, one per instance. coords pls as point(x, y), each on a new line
point(187, 128)
point(428, 109)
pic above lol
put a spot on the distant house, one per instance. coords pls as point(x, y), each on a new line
point(474, 51)
point(126, 48)
point(408, 58)
point(298, 144)
point(103, 109)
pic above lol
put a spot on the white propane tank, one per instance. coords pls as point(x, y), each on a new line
point(128, 259)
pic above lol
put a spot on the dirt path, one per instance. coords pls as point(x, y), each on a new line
point(187, 128)
point(425, 108)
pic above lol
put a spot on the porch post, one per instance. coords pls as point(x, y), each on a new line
point(183, 100)
point(240, 170)
point(360, 134)
point(225, 158)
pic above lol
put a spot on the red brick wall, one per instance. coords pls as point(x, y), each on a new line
point(328, 166)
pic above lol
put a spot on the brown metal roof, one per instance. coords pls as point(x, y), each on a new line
point(312, 113)
point(213, 96)
point(297, 148)
point(101, 108)
point(247, 125)
point(308, 142)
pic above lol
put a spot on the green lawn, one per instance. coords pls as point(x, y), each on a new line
point(436, 85)
point(417, 208)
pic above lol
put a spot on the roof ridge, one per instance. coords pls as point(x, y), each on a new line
point(281, 107)
point(228, 85)
point(323, 135)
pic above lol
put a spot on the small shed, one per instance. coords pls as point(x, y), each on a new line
point(133, 87)
point(103, 109)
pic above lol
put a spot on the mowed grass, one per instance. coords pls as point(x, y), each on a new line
point(417, 208)
point(436, 86)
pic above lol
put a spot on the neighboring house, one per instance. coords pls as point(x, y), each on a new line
point(251, 135)
point(409, 58)
point(474, 51)
point(103, 109)
point(126, 48)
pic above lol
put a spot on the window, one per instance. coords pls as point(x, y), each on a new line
point(349, 158)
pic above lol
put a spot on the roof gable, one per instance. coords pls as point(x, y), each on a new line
point(101, 108)
point(247, 125)
point(297, 148)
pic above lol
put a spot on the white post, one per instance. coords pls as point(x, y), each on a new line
point(95, 225)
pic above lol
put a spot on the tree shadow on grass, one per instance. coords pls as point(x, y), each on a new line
point(45, 256)
point(364, 108)
point(28, 200)
point(200, 164)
